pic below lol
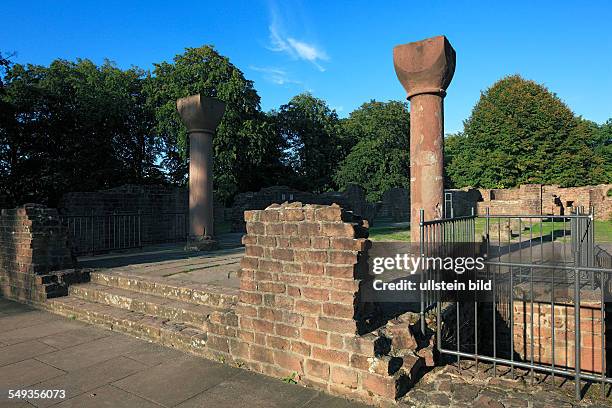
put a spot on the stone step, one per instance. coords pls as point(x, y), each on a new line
point(176, 310)
point(155, 329)
point(198, 293)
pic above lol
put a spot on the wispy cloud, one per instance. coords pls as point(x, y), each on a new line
point(275, 75)
point(297, 49)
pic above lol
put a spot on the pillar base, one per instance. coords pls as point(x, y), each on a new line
point(201, 244)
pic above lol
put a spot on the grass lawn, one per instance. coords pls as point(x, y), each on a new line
point(390, 233)
point(603, 231)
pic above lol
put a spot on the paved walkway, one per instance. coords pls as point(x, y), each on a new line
point(218, 267)
point(99, 368)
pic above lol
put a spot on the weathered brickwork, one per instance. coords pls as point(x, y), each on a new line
point(562, 327)
point(299, 310)
point(33, 244)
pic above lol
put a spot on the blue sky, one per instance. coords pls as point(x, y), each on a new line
point(340, 51)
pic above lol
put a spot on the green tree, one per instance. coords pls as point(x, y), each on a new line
point(380, 159)
point(313, 141)
point(519, 132)
point(247, 151)
point(5, 63)
point(452, 147)
point(74, 126)
point(602, 145)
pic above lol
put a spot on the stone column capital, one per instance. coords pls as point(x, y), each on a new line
point(425, 67)
point(200, 114)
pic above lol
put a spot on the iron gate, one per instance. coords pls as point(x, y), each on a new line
point(547, 263)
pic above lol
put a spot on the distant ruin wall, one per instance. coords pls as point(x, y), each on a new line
point(538, 199)
point(353, 199)
point(395, 205)
point(127, 198)
point(163, 209)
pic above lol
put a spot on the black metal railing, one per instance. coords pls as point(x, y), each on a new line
point(538, 261)
point(100, 233)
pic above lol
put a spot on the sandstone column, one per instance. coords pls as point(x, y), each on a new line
point(201, 115)
point(425, 69)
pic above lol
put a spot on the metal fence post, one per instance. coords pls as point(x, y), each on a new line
point(139, 228)
point(93, 235)
point(577, 262)
point(422, 253)
point(577, 334)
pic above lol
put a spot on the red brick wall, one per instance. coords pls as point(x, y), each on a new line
point(33, 242)
point(591, 335)
point(299, 304)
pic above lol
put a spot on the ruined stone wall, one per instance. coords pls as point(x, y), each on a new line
point(536, 199)
point(353, 199)
point(558, 200)
point(163, 209)
point(299, 308)
point(33, 244)
point(395, 204)
point(591, 334)
point(127, 198)
point(464, 200)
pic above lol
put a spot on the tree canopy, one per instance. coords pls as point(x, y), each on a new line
point(247, 151)
point(380, 159)
point(313, 141)
point(520, 132)
point(73, 125)
point(78, 126)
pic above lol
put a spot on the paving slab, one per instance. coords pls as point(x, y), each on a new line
point(90, 353)
point(8, 306)
point(152, 354)
point(176, 381)
point(25, 318)
point(36, 331)
point(218, 268)
point(327, 401)
point(23, 351)
point(85, 379)
point(107, 397)
point(71, 338)
point(146, 375)
point(23, 374)
point(15, 404)
point(251, 390)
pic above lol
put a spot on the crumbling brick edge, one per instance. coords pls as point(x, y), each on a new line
point(35, 259)
point(299, 311)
